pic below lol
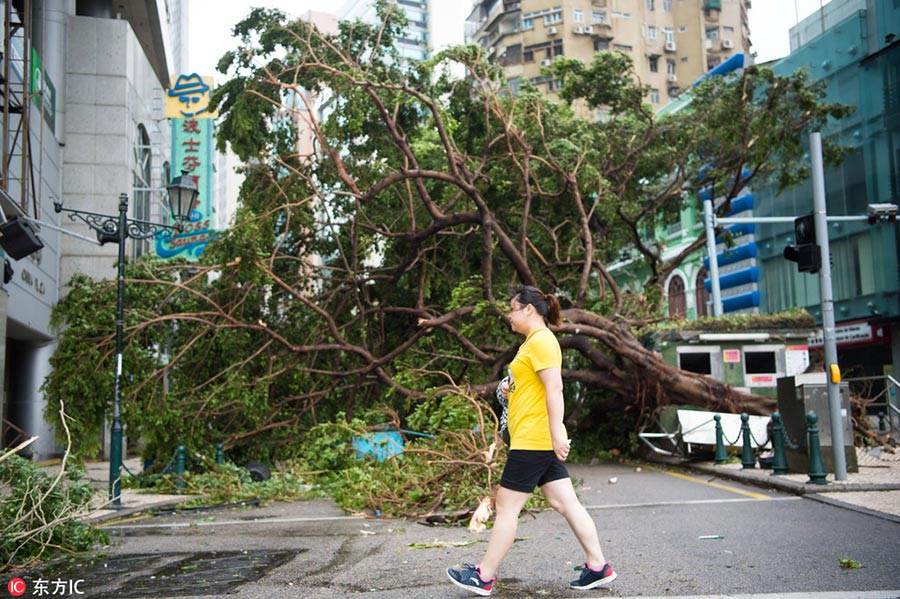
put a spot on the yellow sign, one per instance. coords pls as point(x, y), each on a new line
point(188, 98)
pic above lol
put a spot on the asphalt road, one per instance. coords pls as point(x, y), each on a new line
point(667, 533)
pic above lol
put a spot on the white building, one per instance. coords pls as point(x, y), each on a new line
point(101, 68)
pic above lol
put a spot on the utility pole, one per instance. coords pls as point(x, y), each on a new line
point(832, 370)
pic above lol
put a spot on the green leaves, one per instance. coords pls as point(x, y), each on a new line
point(39, 515)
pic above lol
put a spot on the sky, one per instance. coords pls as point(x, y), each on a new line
point(211, 22)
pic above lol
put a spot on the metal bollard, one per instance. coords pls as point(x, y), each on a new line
point(220, 454)
point(817, 472)
point(748, 458)
point(179, 466)
point(721, 452)
point(779, 461)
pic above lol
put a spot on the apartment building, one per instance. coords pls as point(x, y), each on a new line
point(672, 42)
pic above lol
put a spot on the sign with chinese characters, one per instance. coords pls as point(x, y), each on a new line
point(731, 355)
point(43, 91)
point(192, 152)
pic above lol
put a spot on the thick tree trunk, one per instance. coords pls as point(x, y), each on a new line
point(622, 364)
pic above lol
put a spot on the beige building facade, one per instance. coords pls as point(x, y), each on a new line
point(672, 42)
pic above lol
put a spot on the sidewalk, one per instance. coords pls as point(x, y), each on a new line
point(875, 488)
point(132, 501)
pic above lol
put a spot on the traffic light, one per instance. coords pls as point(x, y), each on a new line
point(806, 251)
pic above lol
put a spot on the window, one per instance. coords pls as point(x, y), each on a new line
point(651, 4)
point(759, 362)
point(527, 23)
point(670, 67)
point(701, 295)
point(669, 34)
point(727, 29)
point(654, 64)
point(700, 363)
point(623, 47)
point(787, 288)
point(763, 364)
point(142, 174)
point(601, 44)
point(712, 33)
point(667, 5)
point(654, 95)
point(651, 33)
point(677, 300)
point(598, 17)
point(701, 359)
point(578, 15)
point(854, 267)
point(552, 18)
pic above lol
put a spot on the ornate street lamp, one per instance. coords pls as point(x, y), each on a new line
point(182, 195)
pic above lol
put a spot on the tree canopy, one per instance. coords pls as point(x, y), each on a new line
point(389, 207)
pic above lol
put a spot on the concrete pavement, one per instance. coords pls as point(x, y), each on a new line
point(875, 488)
point(670, 531)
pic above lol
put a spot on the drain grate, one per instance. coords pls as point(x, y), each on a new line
point(211, 573)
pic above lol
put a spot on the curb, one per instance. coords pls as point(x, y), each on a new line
point(790, 486)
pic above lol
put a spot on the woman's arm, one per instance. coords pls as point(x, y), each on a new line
point(553, 389)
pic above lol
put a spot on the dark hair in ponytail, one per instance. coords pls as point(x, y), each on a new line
point(546, 304)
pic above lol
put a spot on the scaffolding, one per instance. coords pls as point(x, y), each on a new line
point(18, 89)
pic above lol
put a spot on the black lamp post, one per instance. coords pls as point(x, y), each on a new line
point(182, 194)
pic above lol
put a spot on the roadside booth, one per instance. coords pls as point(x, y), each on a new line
point(750, 361)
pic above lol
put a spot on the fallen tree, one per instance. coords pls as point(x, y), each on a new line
point(391, 206)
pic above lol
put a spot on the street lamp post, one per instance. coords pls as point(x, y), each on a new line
point(182, 194)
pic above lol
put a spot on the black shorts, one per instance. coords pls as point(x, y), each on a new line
point(526, 469)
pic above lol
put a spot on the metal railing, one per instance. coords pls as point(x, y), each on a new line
point(883, 403)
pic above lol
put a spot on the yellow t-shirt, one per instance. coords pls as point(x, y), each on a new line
point(529, 423)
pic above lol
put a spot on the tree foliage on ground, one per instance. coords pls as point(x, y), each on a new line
point(390, 206)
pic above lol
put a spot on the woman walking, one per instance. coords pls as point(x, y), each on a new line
point(539, 447)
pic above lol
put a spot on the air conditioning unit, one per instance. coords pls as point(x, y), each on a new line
point(588, 29)
point(708, 43)
point(579, 30)
point(546, 62)
point(727, 44)
point(552, 31)
point(670, 46)
point(673, 78)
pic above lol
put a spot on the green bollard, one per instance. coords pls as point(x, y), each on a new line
point(816, 464)
point(721, 452)
point(779, 462)
point(220, 454)
point(748, 458)
point(179, 466)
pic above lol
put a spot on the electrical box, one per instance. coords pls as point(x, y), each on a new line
point(797, 396)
